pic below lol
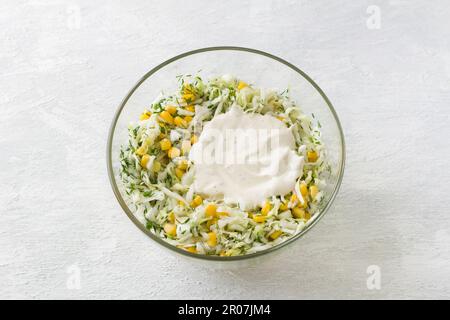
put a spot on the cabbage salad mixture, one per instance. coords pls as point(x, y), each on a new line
point(158, 176)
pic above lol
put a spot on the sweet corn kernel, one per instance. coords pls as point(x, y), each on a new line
point(180, 122)
point(212, 239)
point(171, 109)
point(185, 146)
point(156, 166)
point(274, 235)
point(198, 200)
point(283, 207)
point(222, 253)
point(145, 115)
point(142, 150)
point(294, 198)
point(179, 173)
point(170, 229)
point(191, 249)
point(313, 190)
point(267, 207)
point(307, 215)
point(188, 119)
point(190, 108)
point(181, 203)
point(303, 189)
point(171, 217)
point(194, 139)
point(312, 156)
point(144, 160)
point(174, 152)
point(242, 85)
point(166, 117)
point(223, 214)
point(298, 213)
point(259, 218)
point(165, 144)
point(210, 210)
point(183, 164)
point(188, 97)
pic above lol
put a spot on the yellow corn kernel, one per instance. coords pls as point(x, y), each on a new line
point(162, 135)
point(242, 85)
point(188, 97)
point(280, 118)
point(198, 200)
point(170, 229)
point(165, 144)
point(183, 164)
point(156, 166)
point(313, 190)
point(211, 210)
point(194, 139)
point(307, 215)
point(185, 147)
point(303, 189)
point(267, 207)
point(283, 207)
point(259, 218)
point(211, 222)
point(145, 115)
point(142, 150)
point(179, 173)
point(144, 160)
point(274, 235)
point(298, 213)
point(171, 217)
point(174, 152)
point(181, 203)
point(212, 239)
point(222, 253)
point(294, 198)
point(166, 117)
point(180, 122)
point(191, 249)
point(171, 109)
point(223, 214)
point(312, 156)
point(188, 119)
point(190, 108)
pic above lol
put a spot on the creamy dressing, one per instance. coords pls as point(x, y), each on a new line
point(245, 158)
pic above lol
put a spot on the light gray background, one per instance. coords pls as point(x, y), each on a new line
point(66, 65)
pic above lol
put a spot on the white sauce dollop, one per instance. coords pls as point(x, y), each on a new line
point(245, 158)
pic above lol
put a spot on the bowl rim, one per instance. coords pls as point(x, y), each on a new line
point(157, 239)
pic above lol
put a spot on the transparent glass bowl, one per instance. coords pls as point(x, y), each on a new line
point(253, 66)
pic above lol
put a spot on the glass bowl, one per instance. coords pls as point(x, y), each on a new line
point(256, 67)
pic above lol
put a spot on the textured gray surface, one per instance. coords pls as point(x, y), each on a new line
point(65, 66)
